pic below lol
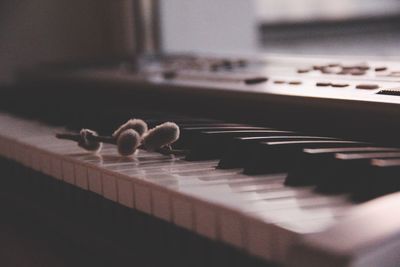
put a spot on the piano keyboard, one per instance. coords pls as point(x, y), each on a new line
point(318, 193)
point(258, 189)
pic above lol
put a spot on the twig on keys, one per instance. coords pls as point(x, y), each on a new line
point(126, 141)
point(83, 139)
point(140, 126)
point(127, 137)
point(160, 136)
point(130, 136)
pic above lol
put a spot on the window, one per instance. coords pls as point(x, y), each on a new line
point(282, 26)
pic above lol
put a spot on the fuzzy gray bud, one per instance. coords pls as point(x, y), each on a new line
point(160, 136)
point(127, 142)
point(136, 124)
point(87, 144)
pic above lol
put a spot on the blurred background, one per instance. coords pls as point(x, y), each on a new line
point(38, 31)
point(343, 27)
point(33, 31)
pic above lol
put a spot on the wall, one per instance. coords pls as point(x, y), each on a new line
point(33, 31)
point(224, 26)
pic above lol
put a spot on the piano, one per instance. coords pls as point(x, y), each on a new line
point(251, 189)
point(288, 160)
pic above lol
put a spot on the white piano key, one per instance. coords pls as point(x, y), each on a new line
point(206, 220)
point(306, 205)
point(155, 167)
point(260, 239)
point(68, 172)
point(223, 194)
point(2, 147)
point(61, 147)
point(285, 192)
point(36, 159)
point(217, 193)
point(276, 230)
point(81, 177)
point(233, 225)
point(109, 187)
point(26, 156)
point(182, 212)
point(287, 235)
point(17, 152)
point(161, 204)
point(285, 239)
point(116, 164)
point(224, 181)
point(94, 179)
point(125, 192)
point(21, 154)
point(367, 236)
point(56, 167)
point(143, 197)
point(172, 166)
point(45, 163)
point(231, 228)
point(156, 164)
point(9, 149)
point(12, 150)
point(237, 235)
point(87, 159)
point(6, 148)
point(286, 214)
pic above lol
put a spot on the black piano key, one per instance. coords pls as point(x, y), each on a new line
point(311, 163)
point(190, 134)
point(382, 177)
point(207, 124)
point(221, 128)
point(240, 148)
point(211, 144)
point(186, 122)
point(275, 157)
point(346, 171)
